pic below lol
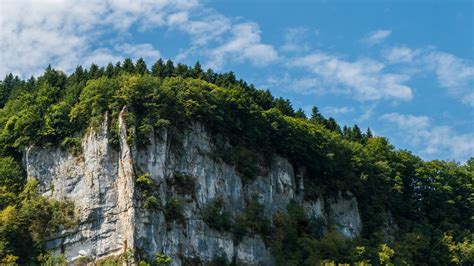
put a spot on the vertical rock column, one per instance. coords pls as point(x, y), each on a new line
point(125, 188)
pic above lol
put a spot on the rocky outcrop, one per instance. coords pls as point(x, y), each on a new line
point(112, 218)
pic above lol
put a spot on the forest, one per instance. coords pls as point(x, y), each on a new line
point(431, 202)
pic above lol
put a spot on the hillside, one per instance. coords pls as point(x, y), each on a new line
point(124, 163)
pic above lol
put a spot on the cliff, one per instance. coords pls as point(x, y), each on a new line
point(110, 208)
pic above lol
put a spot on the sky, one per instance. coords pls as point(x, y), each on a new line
point(403, 68)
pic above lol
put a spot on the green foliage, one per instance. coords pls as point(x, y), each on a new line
point(183, 184)
point(174, 210)
point(51, 260)
point(126, 258)
point(162, 260)
point(252, 221)
point(296, 242)
point(11, 180)
point(426, 200)
point(149, 191)
point(216, 216)
point(73, 145)
point(220, 260)
point(24, 225)
point(385, 254)
point(247, 162)
point(461, 253)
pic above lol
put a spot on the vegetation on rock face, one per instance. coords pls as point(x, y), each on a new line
point(27, 220)
point(430, 202)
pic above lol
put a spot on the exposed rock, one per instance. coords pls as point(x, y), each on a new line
point(344, 213)
point(112, 219)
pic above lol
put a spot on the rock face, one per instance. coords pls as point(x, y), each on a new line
point(101, 183)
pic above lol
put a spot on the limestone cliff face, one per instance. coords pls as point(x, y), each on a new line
point(113, 219)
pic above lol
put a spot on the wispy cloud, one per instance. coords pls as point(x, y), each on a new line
point(452, 73)
point(367, 113)
point(376, 37)
point(295, 40)
point(68, 33)
point(365, 79)
point(244, 45)
point(65, 33)
point(337, 110)
point(432, 140)
point(400, 54)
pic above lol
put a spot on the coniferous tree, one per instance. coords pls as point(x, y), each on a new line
point(356, 134)
point(157, 69)
point(128, 65)
point(284, 105)
point(300, 113)
point(368, 134)
point(30, 84)
point(79, 74)
point(210, 76)
point(181, 70)
point(169, 69)
point(197, 71)
point(316, 117)
point(118, 67)
point(346, 132)
point(332, 125)
point(110, 71)
point(140, 67)
point(94, 72)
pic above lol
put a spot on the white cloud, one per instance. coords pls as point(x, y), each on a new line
point(434, 141)
point(335, 110)
point(207, 27)
point(453, 73)
point(68, 33)
point(376, 37)
point(400, 54)
point(295, 40)
point(144, 50)
point(244, 45)
point(407, 121)
point(368, 112)
point(365, 79)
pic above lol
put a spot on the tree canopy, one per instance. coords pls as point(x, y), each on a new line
point(431, 202)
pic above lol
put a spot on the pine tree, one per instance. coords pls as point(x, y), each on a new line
point(79, 74)
point(332, 125)
point(368, 134)
point(356, 134)
point(128, 66)
point(94, 72)
point(157, 69)
point(181, 70)
point(197, 71)
point(140, 67)
point(316, 117)
point(300, 113)
point(169, 69)
point(109, 70)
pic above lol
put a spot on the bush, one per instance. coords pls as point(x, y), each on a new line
point(174, 210)
point(162, 260)
point(252, 221)
point(216, 217)
point(73, 145)
point(183, 184)
point(149, 192)
point(25, 225)
point(246, 162)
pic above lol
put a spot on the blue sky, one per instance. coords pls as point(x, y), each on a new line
point(403, 68)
